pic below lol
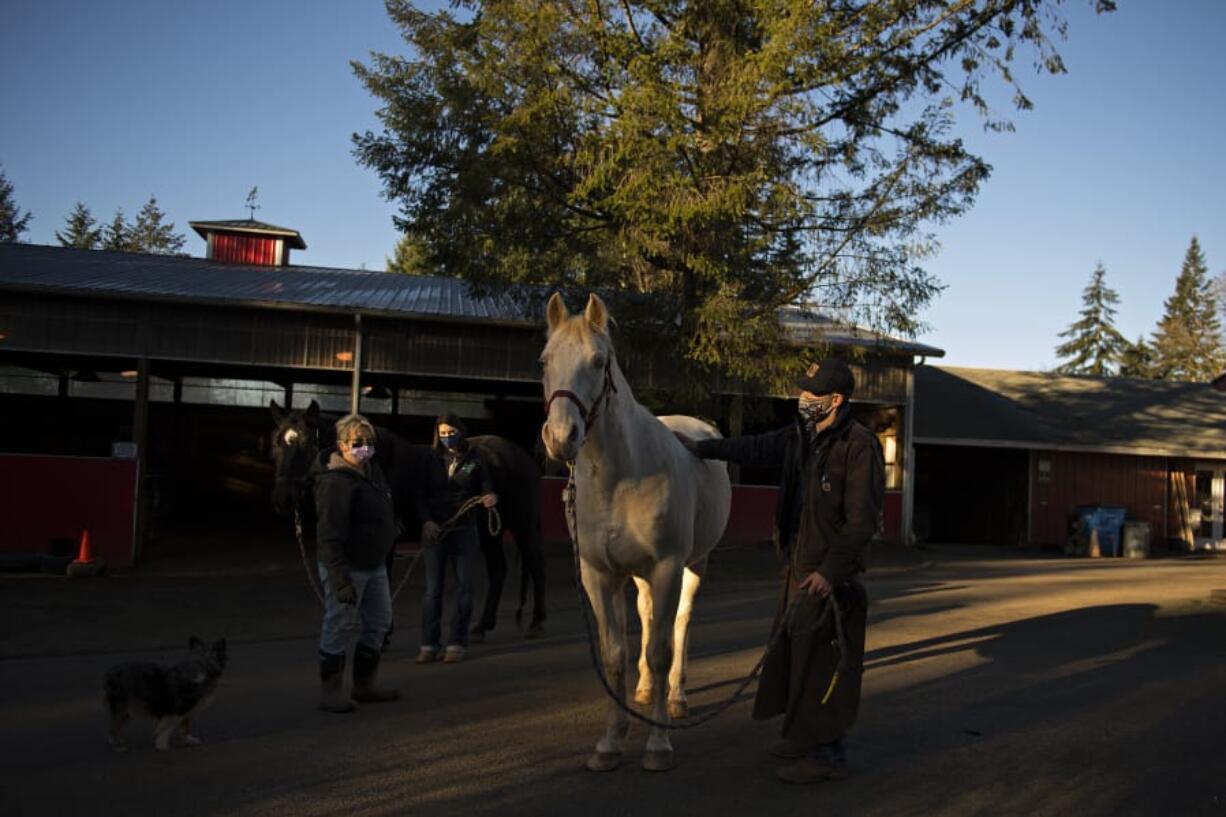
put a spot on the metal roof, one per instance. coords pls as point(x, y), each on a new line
point(165, 277)
point(248, 225)
point(1037, 410)
point(35, 268)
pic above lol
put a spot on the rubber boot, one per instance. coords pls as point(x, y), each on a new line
point(332, 681)
point(365, 674)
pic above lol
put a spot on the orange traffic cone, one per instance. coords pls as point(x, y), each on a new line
point(84, 552)
point(85, 564)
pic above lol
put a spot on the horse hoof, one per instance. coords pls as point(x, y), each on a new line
point(642, 697)
point(660, 760)
point(678, 709)
point(604, 761)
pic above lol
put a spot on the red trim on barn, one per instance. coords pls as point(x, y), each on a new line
point(44, 498)
point(236, 248)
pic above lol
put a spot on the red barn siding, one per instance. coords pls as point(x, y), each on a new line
point(244, 249)
point(1136, 483)
point(42, 498)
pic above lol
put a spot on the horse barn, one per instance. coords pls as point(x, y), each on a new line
point(136, 388)
point(1006, 457)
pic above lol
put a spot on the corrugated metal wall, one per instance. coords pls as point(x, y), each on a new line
point(1070, 479)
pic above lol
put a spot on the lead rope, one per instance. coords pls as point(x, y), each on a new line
point(494, 522)
point(568, 499)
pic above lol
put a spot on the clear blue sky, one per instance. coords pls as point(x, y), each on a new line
point(1122, 160)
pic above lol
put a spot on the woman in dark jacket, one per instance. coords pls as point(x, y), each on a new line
point(455, 474)
point(356, 532)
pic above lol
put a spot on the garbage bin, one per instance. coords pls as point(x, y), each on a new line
point(1136, 540)
point(1106, 521)
point(1109, 523)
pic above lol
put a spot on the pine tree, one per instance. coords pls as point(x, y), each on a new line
point(1137, 360)
point(1188, 343)
point(12, 222)
point(117, 235)
point(1094, 346)
point(80, 230)
point(408, 257)
point(150, 235)
point(726, 158)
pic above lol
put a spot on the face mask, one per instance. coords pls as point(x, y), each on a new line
point(451, 441)
point(816, 410)
point(362, 453)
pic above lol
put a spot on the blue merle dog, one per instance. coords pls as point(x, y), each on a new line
point(171, 694)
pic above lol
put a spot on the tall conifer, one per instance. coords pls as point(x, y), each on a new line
point(80, 230)
point(1094, 345)
point(1188, 342)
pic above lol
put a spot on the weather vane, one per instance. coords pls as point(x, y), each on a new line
point(251, 205)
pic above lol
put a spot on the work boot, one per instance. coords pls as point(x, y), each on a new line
point(365, 674)
point(829, 762)
point(454, 654)
point(332, 680)
point(427, 655)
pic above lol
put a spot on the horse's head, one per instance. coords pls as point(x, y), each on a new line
point(577, 373)
point(295, 444)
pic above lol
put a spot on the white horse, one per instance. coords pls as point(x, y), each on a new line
point(645, 508)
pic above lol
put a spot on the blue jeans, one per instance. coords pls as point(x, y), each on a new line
point(367, 621)
point(460, 548)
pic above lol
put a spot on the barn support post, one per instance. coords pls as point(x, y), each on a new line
point(289, 395)
point(908, 464)
point(140, 433)
point(355, 390)
point(736, 427)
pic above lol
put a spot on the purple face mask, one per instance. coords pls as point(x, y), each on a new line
point(362, 453)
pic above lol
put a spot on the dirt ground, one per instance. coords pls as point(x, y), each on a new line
point(995, 684)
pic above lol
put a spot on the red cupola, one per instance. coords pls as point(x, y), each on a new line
point(247, 241)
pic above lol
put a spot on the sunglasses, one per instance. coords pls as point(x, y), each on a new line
point(360, 442)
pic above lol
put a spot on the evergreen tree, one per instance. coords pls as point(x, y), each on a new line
point(80, 230)
point(12, 222)
point(150, 235)
point(1137, 360)
point(729, 158)
point(1094, 346)
point(409, 257)
point(117, 235)
point(1188, 343)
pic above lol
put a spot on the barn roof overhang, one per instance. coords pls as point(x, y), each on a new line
point(250, 227)
point(990, 408)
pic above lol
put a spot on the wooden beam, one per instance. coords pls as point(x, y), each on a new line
point(140, 434)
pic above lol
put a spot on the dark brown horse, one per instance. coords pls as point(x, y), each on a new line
point(300, 435)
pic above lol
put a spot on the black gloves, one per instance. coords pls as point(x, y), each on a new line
point(687, 443)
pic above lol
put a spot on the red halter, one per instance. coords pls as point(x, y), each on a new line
point(589, 417)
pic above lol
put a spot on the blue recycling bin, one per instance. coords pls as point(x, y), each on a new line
point(1108, 521)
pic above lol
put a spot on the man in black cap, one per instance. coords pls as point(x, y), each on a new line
point(829, 507)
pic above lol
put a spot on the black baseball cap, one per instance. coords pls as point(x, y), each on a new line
point(829, 376)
